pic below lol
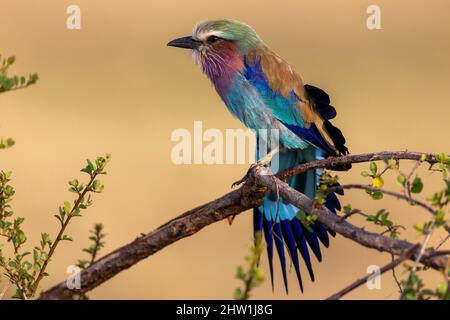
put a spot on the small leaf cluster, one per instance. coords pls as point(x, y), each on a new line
point(6, 143)
point(8, 83)
point(438, 200)
point(415, 288)
point(84, 199)
point(326, 181)
point(93, 250)
point(415, 187)
point(381, 218)
point(444, 165)
point(307, 220)
point(17, 269)
point(254, 276)
point(441, 198)
point(377, 180)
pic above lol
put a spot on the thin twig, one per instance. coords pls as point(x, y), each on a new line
point(249, 282)
point(389, 266)
point(5, 288)
point(384, 191)
point(417, 260)
point(390, 193)
point(394, 275)
point(408, 179)
point(58, 238)
point(443, 241)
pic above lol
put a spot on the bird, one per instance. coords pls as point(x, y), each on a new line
point(265, 93)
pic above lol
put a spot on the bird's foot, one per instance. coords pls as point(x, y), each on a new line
point(263, 163)
point(245, 177)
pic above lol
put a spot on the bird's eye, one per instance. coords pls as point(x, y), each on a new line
point(212, 39)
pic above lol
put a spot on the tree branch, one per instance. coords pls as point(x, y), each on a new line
point(397, 195)
point(346, 229)
point(122, 258)
point(389, 266)
point(329, 163)
point(233, 203)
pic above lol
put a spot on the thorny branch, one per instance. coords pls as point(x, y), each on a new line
point(237, 201)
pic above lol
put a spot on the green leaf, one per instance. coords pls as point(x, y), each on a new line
point(97, 186)
point(377, 195)
point(19, 238)
point(240, 274)
point(401, 179)
point(365, 174)
point(45, 239)
point(76, 213)
point(347, 209)
point(442, 288)
point(440, 218)
point(427, 292)
point(66, 237)
point(82, 264)
point(27, 265)
point(237, 294)
point(373, 168)
point(37, 267)
point(89, 168)
point(74, 183)
point(44, 255)
point(259, 274)
point(11, 60)
point(442, 157)
point(67, 207)
point(8, 214)
point(58, 217)
point(417, 185)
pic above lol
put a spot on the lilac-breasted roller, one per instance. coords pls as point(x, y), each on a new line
point(264, 92)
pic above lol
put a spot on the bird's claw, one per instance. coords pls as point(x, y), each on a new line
point(263, 163)
point(244, 178)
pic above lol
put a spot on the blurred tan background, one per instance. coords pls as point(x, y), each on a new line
point(114, 87)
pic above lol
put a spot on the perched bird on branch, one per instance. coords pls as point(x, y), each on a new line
point(264, 92)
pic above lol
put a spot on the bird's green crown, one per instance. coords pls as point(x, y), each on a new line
point(232, 30)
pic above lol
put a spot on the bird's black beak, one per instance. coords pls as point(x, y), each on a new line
point(185, 42)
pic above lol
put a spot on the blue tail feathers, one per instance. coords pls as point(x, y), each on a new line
point(281, 225)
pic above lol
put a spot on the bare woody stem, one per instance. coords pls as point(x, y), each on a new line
point(235, 202)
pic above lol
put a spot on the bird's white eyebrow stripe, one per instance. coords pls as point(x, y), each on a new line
point(203, 35)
